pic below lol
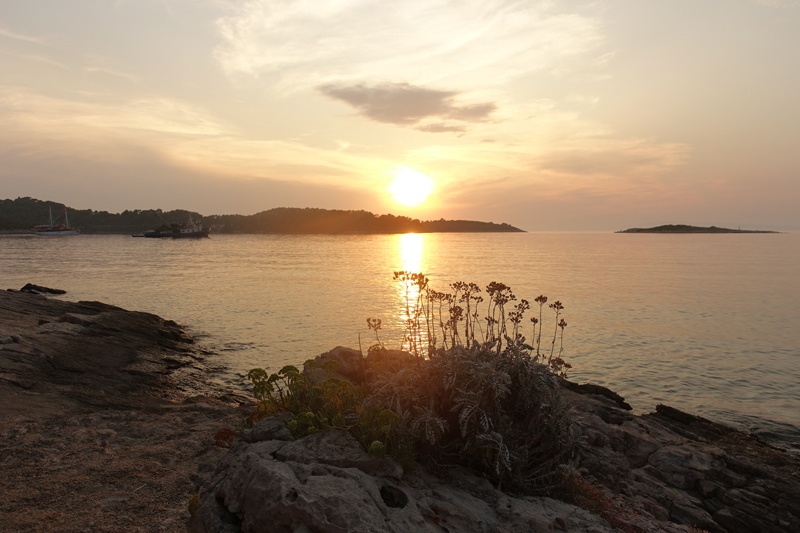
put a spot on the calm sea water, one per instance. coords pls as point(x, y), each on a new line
point(705, 323)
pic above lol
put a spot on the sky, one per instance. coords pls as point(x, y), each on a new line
point(548, 115)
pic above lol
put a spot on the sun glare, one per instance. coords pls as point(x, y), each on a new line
point(410, 187)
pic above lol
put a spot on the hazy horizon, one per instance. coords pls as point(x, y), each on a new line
point(552, 115)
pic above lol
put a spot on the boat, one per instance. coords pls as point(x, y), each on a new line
point(188, 230)
point(56, 229)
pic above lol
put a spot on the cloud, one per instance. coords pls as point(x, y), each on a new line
point(632, 157)
point(176, 134)
point(19, 36)
point(458, 43)
point(404, 104)
point(112, 72)
point(440, 127)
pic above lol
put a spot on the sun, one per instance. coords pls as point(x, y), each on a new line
point(410, 187)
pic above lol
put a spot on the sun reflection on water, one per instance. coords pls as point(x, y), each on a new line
point(411, 248)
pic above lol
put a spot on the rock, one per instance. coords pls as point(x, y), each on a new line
point(590, 388)
point(38, 289)
point(94, 354)
point(351, 365)
point(338, 448)
point(688, 470)
point(258, 490)
point(272, 428)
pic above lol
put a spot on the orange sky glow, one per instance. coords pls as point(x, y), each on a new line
point(548, 115)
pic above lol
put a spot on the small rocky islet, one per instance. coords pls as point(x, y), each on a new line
point(683, 228)
point(109, 417)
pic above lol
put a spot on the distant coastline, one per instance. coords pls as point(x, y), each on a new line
point(683, 228)
point(18, 216)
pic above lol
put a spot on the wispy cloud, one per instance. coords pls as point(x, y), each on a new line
point(112, 72)
point(32, 111)
point(457, 43)
point(405, 104)
point(20, 37)
point(174, 132)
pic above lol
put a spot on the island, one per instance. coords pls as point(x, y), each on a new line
point(111, 422)
point(21, 214)
point(683, 228)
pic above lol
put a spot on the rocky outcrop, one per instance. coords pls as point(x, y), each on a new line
point(675, 467)
point(74, 355)
point(107, 418)
point(30, 288)
point(664, 472)
point(326, 483)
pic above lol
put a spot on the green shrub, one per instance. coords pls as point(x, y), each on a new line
point(499, 414)
point(465, 394)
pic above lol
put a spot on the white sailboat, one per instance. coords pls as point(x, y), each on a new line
point(56, 229)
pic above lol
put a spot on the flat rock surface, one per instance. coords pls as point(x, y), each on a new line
point(107, 417)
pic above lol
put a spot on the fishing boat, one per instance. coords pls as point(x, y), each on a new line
point(56, 229)
point(188, 230)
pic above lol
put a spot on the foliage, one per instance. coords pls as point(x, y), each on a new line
point(315, 407)
point(469, 391)
point(332, 403)
point(24, 213)
point(500, 414)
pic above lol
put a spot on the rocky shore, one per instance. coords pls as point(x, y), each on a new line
point(664, 472)
point(107, 417)
point(108, 420)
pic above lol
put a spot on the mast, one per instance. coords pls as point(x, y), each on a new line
point(66, 217)
point(50, 208)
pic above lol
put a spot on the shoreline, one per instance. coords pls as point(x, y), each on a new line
point(110, 416)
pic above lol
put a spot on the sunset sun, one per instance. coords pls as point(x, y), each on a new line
point(410, 187)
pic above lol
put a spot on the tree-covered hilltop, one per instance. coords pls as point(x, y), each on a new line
point(683, 228)
point(24, 213)
point(308, 220)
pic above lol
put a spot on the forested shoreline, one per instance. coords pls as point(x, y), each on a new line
point(22, 214)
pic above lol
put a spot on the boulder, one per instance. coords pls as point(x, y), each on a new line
point(272, 428)
point(351, 365)
point(319, 484)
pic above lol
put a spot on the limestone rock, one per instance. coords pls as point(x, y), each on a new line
point(258, 490)
point(338, 448)
point(272, 428)
point(682, 468)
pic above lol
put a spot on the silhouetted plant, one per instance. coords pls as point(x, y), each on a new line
point(541, 300)
point(484, 402)
point(481, 399)
point(375, 325)
point(556, 307)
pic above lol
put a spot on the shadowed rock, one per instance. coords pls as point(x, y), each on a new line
point(70, 354)
point(677, 467)
point(276, 487)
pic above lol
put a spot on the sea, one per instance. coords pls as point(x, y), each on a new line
point(706, 323)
